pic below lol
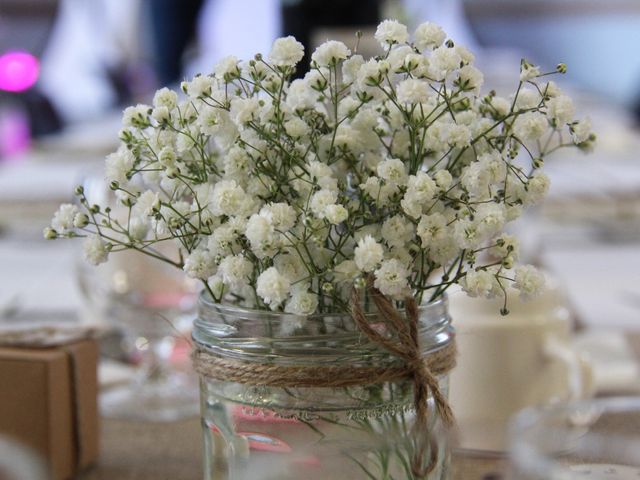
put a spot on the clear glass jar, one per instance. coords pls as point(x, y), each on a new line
point(357, 432)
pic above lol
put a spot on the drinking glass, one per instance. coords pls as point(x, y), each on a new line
point(153, 305)
point(595, 439)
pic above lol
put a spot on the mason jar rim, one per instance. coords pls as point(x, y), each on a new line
point(230, 309)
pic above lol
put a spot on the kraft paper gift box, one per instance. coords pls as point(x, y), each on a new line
point(48, 402)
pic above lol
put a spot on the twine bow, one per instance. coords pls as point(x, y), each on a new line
point(404, 343)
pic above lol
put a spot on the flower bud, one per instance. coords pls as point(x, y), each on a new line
point(80, 220)
point(79, 190)
point(49, 233)
point(561, 68)
point(327, 287)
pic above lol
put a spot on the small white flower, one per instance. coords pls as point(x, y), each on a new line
point(300, 96)
point(199, 87)
point(530, 126)
point(235, 271)
point(243, 110)
point(581, 131)
point(335, 214)
point(138, 228)
point(296, 127)
point(329, 53)
point(506, 246)
point(165, 98)
point(187, 141)
point(302, 303)
point(490, 219)
point(529, 281)
point(286, 52)
point(432, 229)
point(443, 179)
point(222, 240)
point(370, 74)
point(470, 78)
point(537, 187)
point(281, 215)
point(422, 186)
point(480, 284)
point(228, 198)
point(350, 68)
point(466, 234)
point(528, 98)
point(393, 170)
point(273, 287)
point(137, 116)
point(118, 165)
point(397, 231)
point(561, 109)
point(321, 200)
point(528, 72)
point(392, 279)
point(443, 61)
point(291, 266)
point(161, 114)
point(413, 90)
point(200, 264)
point(411, 204)
point(146, 204)
point(501, 106)
point(390, 32)
point(368, 254)
point(456, 135)
point(95, 250)
point(429, 36)
point(261, 235)
point(551, 89)
point(466, 57)
point(397, 56)
point(63, 219)
point(227, 68)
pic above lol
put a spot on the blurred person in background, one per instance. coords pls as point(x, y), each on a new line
point(301, 17)
point(94, 59)
point(25, 111)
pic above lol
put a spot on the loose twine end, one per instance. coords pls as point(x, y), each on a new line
point(404, 343)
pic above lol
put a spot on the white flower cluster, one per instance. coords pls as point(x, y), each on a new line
point(392, 171)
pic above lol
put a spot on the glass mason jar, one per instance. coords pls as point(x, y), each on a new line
point(262, 432)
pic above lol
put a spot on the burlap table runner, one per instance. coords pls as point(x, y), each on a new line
point(172, 451)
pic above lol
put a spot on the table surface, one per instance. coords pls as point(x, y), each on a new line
point(172, 451)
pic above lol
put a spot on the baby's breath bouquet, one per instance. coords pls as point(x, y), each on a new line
point(284, 194)
point(368, 183)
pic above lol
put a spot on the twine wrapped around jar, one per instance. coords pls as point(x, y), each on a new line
point(403, 343)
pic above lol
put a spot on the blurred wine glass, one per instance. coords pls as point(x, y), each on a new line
point(597, 439)
point(152, 304)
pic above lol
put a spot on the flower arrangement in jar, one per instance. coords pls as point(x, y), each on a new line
point(368, 187)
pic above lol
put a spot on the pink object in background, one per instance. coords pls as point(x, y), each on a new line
point(18, 71)
point(15, 134)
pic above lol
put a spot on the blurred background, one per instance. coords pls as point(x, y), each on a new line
point(68, 68)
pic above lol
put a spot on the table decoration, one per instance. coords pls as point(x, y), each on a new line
point(326, 217)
